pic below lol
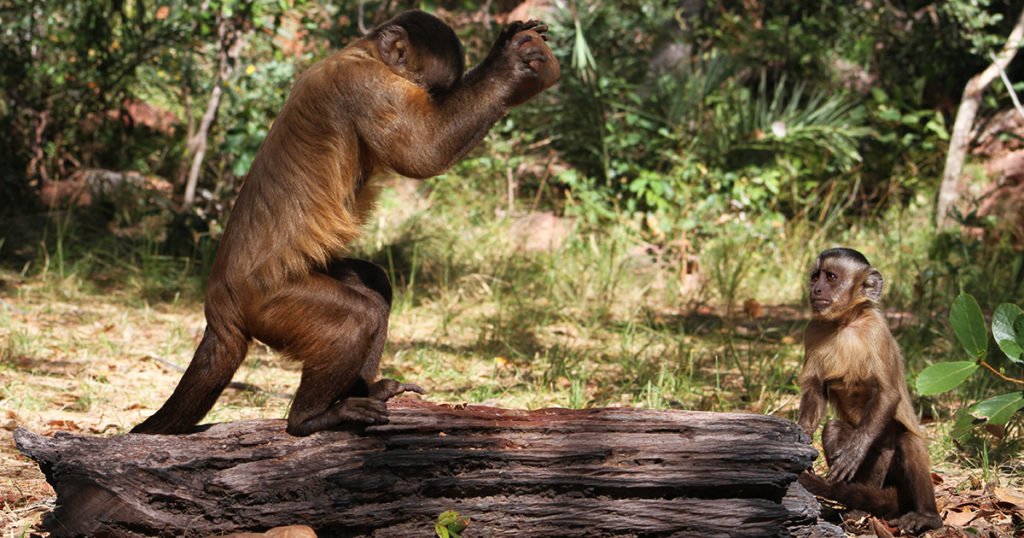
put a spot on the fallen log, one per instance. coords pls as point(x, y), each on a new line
point(550, 472)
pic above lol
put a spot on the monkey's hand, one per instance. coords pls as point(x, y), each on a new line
point(521, 61)
point(385, 389)
point(848, 459)
point(542, 66)
point(510, 31)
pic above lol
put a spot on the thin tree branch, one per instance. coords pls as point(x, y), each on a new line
point(1009, 87)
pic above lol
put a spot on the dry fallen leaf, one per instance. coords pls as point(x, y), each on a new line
point(1011, 496)
point(57, 425)
point(960, 518)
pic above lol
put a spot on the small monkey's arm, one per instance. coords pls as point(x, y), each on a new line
point(812, 404)
point(879, 412)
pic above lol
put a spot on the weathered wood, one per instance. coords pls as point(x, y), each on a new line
point(551, 472)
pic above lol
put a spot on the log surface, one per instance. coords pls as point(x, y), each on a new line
point(550, 472)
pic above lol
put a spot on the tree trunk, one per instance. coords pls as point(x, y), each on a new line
point(551, 472)
point(960, 140)
point(230, 42)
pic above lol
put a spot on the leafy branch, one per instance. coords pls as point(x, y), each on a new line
point(969, 327)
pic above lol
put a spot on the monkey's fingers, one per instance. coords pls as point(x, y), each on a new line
point(385, 389)
point(842, 469)
point(516, 27)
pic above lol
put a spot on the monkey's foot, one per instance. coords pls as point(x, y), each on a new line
point(385, 389)
point(917, 521)
point(350, 411)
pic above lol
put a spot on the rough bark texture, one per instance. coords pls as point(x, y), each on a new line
point(551, 472)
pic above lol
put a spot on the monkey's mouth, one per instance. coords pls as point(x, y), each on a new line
point(820, 304)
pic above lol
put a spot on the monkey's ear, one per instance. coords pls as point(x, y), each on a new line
point(393, 46)
point(872, 285)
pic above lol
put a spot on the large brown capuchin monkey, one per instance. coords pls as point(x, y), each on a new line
point(396, 99)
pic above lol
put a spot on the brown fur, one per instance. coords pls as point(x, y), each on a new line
point(876, 455)
point(396, 99)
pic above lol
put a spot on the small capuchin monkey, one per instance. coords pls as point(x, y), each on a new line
point(875, 451)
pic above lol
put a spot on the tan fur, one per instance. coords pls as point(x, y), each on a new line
point(857, 351)
point(876, 452)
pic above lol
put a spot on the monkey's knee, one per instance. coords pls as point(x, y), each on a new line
point(362, 273)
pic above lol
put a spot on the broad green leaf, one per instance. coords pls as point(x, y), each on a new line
point(1007, 323)
point(944, 376)
point(963, 424)
point(998, 410)
point(969, 325)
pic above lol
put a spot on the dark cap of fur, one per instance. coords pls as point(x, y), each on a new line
point(847, 253)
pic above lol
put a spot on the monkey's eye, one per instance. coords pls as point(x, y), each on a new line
point(831, 276)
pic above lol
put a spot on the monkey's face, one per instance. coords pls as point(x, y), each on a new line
point(829, 286)
point(839, 283)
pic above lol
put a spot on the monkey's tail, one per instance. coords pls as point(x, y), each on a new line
point(219, 354)
point(878, 502)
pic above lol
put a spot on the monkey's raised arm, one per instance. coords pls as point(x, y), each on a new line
point(422, 115)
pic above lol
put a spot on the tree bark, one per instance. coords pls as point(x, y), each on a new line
point(960, 140)
point(551, 472)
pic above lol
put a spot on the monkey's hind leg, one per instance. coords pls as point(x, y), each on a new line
point(865, 491)
point(913, 480)
point(336, 326)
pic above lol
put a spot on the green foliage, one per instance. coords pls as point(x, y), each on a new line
point(1008, 330)
point(944, 376)
point(969, 327)
point(450, 525)
point(67, 70)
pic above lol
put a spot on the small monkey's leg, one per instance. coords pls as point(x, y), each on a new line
point(833, 435)
point(865, 492)
point(913, 480)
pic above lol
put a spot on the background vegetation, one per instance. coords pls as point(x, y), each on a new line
point(697, 156)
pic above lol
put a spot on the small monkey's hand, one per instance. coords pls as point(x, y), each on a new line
point(847, 460)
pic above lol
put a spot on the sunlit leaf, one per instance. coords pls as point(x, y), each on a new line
point(1007, 325)
point(944, 376)
point(969, 325)
point(998, 410)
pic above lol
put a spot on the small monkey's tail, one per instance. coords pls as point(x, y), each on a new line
point(880, 502)
point(219, 354)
